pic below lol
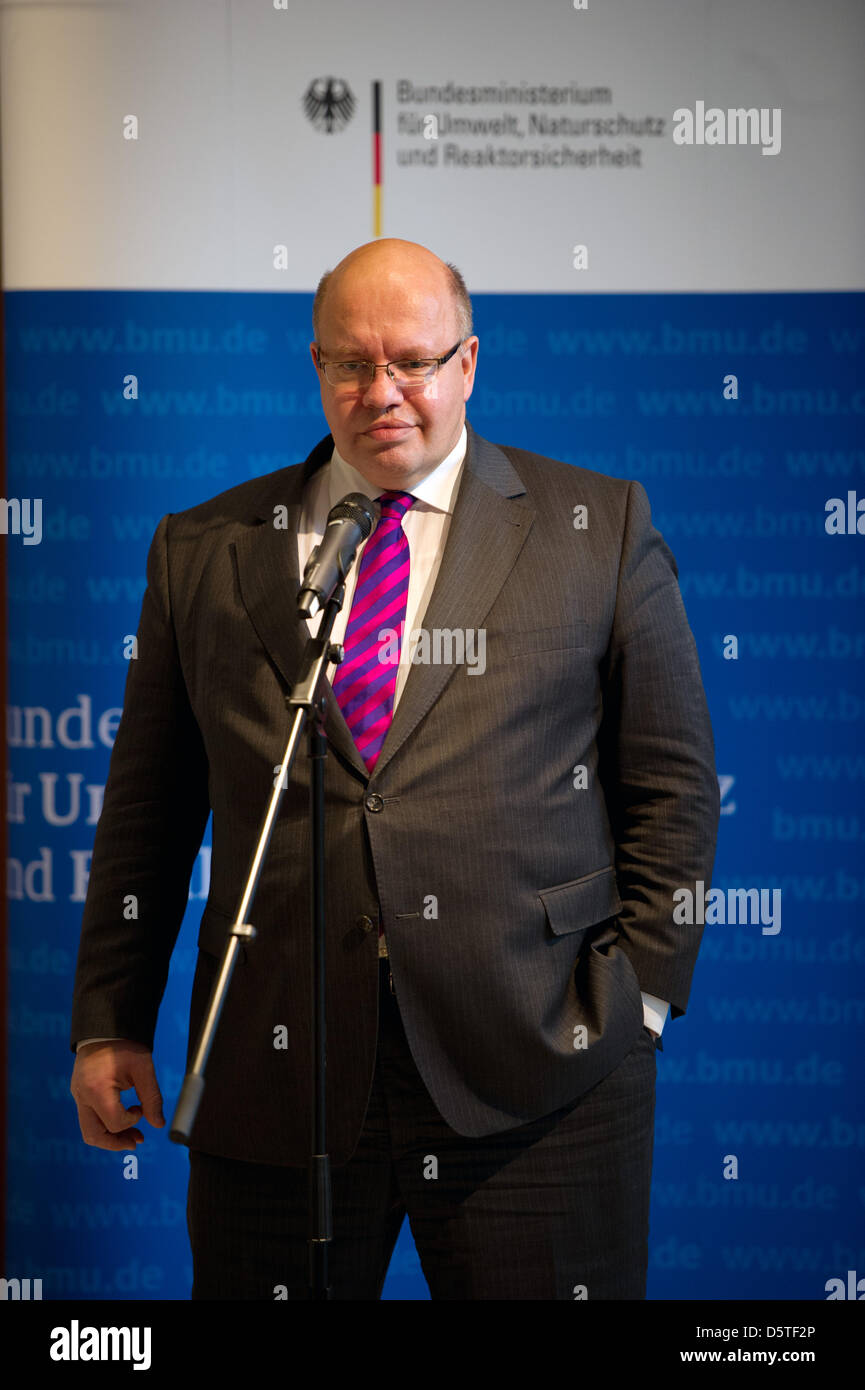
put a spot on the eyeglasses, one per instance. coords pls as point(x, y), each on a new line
point(411, 372)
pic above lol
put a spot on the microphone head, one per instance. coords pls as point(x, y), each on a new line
point(358, 508)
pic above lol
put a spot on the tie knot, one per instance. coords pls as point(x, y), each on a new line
point(394, 505)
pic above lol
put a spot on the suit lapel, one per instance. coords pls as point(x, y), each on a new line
point(487, 532)
point(270, 583)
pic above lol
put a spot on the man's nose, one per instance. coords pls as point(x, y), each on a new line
point(381, 390)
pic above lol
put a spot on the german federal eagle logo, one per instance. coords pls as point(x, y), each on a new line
point(329, 104)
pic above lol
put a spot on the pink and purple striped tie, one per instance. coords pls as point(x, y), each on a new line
point(365, 680)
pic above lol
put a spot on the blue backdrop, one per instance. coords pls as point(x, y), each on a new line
point(760, 1131)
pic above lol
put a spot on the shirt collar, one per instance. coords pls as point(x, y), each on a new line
point(438, 489)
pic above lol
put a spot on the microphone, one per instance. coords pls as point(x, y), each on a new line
point(348, 524)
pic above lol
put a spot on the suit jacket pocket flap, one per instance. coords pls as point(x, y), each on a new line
point(571, 907)
point(213, 933)
point(564, 637)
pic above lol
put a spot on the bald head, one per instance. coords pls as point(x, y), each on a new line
point(401, 265)
point(390, 302)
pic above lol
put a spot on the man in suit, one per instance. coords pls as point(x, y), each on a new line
point(514, 793)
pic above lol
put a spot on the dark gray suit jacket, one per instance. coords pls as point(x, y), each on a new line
point(517, 905)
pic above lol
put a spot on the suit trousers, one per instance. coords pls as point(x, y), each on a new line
point(554, 1209)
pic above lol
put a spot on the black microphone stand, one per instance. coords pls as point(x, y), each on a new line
point(309, 705)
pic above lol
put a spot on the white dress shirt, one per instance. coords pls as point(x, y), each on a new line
point(426, 525)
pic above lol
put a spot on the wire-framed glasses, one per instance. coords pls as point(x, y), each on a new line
point(407, 372)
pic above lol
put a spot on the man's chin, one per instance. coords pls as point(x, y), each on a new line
point(387, 463)
point(403, 455)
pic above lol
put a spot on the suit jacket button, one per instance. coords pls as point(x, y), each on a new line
point(374, 802)
point(366, 924)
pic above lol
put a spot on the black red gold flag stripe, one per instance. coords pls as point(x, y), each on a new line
point(376, 159)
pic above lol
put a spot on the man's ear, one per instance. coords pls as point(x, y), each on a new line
point(314, 352)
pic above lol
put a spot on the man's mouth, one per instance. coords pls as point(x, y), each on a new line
point(387, 429)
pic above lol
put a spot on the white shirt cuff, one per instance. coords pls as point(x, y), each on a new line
point(655, 1011)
